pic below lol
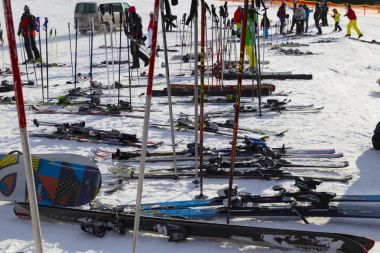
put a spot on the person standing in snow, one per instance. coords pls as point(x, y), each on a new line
point(27, 28)
point(307, 12)
point(237, 19)
point(150, 29)
point(135, 33)
point(336, 17)
point(353, 22)
point(265, 24)
point(300, 16)
point(294, 20)
point(324, 12)
point(317, 18)
point(281, 14)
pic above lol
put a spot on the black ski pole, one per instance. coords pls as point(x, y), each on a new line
point(30, 46)
point(118, 90)
point(76, 53)
point(24, 55)
point(91, 52)
point(38, 23)
point(71, 52)
point(126, 30)
point(47, 57)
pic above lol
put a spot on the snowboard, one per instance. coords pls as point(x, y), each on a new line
point(60, 179)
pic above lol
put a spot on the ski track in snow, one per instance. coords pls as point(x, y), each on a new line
point(344, 83)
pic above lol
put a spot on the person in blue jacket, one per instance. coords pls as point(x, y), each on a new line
point(307, 11)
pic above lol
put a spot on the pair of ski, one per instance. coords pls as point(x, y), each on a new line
point(214, 171)
point(79, 132)
point(305, 202)
point(247, 151)
point(85, 111)
point(187, 124)
point(99, 222)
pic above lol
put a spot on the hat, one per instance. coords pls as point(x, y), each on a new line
point(26, 8)
point(132, 9)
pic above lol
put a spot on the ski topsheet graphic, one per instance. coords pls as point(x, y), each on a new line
point(60, 179)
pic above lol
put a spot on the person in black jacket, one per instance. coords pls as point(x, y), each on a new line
point(134, 32)
point(317, 18)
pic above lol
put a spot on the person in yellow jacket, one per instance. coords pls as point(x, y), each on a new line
point(336, 17)
point(352, 24)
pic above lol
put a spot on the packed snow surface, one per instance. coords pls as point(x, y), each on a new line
point(344, 83)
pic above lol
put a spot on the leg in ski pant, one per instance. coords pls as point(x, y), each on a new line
point(282, 25)
point(266, 32)
point(306, 25)
point(28, 47)
point(353, 24)
point(317, 26)
point(337, 27)
point(293, 23)
point(34, 47)
point(134, 52)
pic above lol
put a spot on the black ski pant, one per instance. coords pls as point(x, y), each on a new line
point(31, 47)
point(299, 27)
point(137, 54)
point(282, 25)
point(316, 20)
point(337, 27)
point(293, 23)
point(306, 25)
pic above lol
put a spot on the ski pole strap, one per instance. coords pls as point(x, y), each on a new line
point(46, 23)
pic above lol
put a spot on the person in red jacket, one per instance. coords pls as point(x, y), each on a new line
point(237, 19)
point(28, 28)
point(352, 24)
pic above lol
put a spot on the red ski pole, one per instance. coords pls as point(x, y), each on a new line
point(23, 128)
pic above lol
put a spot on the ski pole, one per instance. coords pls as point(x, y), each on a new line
point(91, 52)
point(201, 123)
point(76, 54)
point(56, 46)
point(24, 57)
point(71, 51)
point(237, 109)
point(120, 26)
point(196, 123)
point(146, 126)
point(126, 28)
point(111, 24)
point(38, 25)
point(30, 46)
point(23, 127)
point(172, 130)
point(47, 57)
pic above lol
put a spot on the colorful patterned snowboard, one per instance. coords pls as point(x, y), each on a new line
point(60, 179)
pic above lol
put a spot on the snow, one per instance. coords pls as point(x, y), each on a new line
point(344, 83)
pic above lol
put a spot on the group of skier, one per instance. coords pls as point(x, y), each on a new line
point(301, 14)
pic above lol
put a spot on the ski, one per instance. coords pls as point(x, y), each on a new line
point(99, 222)
point(216, 172)
point(306, 193)
point(86, 111)
point(374, 42)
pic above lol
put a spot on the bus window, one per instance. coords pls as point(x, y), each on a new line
point(83, 8)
